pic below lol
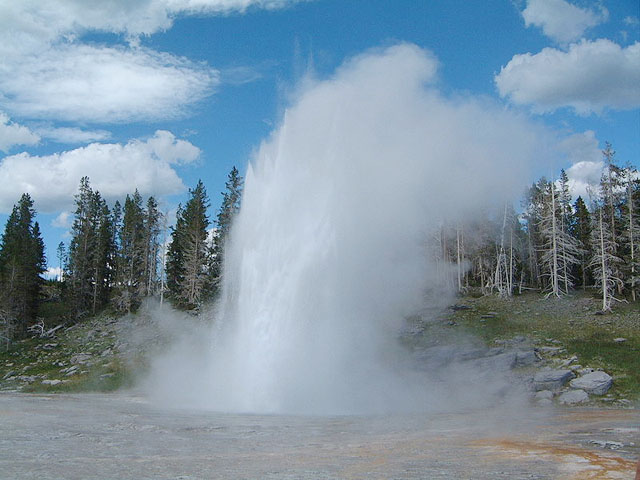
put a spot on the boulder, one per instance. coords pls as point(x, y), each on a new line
point(573, 396)
point(552, 379)
point(596, 383)
point(543, 395)
point(525, 358)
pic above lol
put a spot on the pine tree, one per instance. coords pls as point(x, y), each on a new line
point(104, 256)
point(62, 260)
point(580, 229)
point(22, 262)
point(130, 282)
point(151, 226)
point(82, 249)
point(231, 200)
point(188, 257)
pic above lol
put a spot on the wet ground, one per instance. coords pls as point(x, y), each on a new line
point(88, 436)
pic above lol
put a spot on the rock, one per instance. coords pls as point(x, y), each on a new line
point(51, 382)
point(544, 402)
point(525, 358)
point(596, 383)
point(551, 379)
point(619, 340)
point(10, 373)
point(500, 362)
point(569, 361)
point(584, 371)
point(49, 346)
point(550, 350)
point(80, 358)
point(608, 444)
point(543, 394)
point(573, 396)
point(107, 375)
point(457, 307)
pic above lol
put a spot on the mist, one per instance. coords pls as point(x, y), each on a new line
point(329, 253)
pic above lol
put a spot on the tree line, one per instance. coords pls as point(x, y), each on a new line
point(554, 245)
point(117, 255)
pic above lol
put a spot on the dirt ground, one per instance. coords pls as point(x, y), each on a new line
point(119, 436)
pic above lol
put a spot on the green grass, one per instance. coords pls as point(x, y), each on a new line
point(571, 321)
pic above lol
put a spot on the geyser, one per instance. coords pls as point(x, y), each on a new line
point(329, 252)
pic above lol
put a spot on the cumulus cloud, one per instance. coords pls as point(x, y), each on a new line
point(47, 72)
point(13, 134)
point(560, 20)
point(583, 176)
point(62, 221)
point(114, 169)
point(589, 77)
point(586, 158)
point(53, 273)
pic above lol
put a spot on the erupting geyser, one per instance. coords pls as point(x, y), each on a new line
point(328, 253)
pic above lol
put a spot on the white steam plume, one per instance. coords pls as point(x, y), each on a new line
point(328, 253)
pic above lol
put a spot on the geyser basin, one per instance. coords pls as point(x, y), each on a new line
point(329, 252)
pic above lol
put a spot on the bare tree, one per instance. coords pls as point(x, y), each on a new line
point(604, 260)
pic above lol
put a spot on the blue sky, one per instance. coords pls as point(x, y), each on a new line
point(156, 94)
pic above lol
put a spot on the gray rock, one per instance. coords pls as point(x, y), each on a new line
point(544, 394)
point(619, 340)
point(80, 358)
point(10, 373)
point(525, 358)
point(568, 361)
point(51, 382)
point(608, 444)
point(544, 402)
point(551, 350)
point(551, 379)
point(502, 361)
point(596, 383)
point(573, 396)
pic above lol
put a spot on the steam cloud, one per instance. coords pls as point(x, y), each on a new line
point(328, 253)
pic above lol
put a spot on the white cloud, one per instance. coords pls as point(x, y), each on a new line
point(629, 20)
point(47, 72)
point(560, 20)
point(13, 134)
point(585, 155)
point(114, 169)
point(53, 273)
point(72, 135)
point(62, 221)
point(583, 176)
point(589, 77)
point(102, 84)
